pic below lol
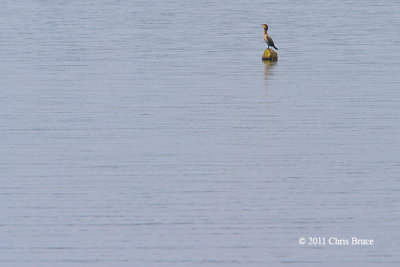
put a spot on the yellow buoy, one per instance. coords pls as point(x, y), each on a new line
point(270, 55)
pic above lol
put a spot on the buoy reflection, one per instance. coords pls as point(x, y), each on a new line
point(268, 66)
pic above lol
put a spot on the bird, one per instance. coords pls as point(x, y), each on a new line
point(267, 38)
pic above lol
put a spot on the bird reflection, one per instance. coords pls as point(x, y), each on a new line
point(268, 66)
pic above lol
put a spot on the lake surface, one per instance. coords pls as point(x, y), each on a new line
point(150, 133)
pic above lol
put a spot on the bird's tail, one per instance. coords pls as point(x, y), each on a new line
point(276, 48)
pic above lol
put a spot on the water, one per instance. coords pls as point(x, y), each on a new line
point(141, 133)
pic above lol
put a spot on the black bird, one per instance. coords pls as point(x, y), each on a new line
point(267, 38)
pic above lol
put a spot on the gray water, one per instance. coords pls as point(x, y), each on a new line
point(150, 133)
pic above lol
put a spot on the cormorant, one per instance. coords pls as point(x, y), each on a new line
point(267, 38)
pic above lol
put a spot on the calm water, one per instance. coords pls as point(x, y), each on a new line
point(150, 133)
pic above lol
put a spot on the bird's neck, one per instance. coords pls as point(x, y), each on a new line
point(265, 30)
